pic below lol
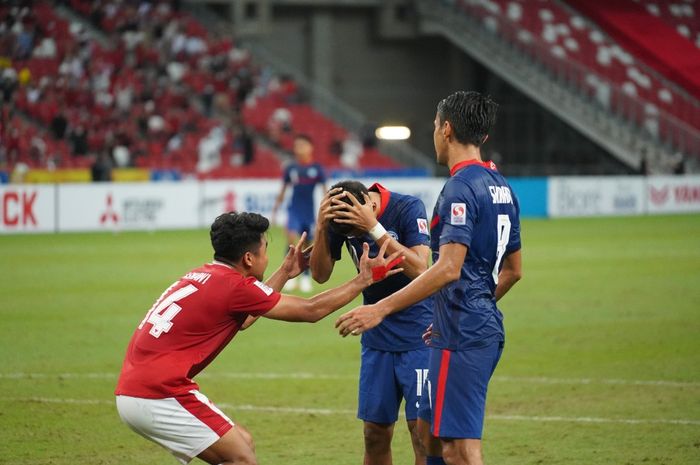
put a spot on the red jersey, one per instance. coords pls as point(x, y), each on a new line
point(187, 327)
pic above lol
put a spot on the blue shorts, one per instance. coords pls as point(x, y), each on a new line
point(386, 378)
point(456, 388)
point(299, 224)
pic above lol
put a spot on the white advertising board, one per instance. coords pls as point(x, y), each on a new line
point(27, 208)
point(133, 206)
point(243, 195)
point(595, 196)
point(673, 194)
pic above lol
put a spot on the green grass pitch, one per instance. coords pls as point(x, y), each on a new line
point(601, 366)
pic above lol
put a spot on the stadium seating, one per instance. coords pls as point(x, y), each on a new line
point(666, 51)
point(680, 15)
point(145, 91)
point(573, 47)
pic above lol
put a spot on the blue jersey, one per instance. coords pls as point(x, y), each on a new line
point(303, 179)
point(476, 208)
point(404, 218)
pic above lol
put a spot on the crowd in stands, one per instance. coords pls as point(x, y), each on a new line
point(146, 86)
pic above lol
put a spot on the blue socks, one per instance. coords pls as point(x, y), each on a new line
point(429, 460)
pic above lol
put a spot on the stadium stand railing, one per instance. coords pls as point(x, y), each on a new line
point(545, 43)
point(666, 51)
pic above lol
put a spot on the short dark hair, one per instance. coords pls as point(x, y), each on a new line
point(305, 137)
point(233, 234)
point(356, 188)
point(471, 115)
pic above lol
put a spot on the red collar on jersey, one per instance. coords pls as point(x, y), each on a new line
point(384, 194)
point(486, 164)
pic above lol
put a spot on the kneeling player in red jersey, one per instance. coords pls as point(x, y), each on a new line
point(196, 317)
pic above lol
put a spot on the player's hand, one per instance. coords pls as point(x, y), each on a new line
point(428, 335)
point(380, 267)
point(358, 320)
point(357, 214)
point(325, 211)
point(297, 259)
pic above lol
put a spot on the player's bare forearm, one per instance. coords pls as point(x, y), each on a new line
point(321, 263)
point(416, 261)
point(360, 319)
point(311, 310)
point(444, 271)
point(422, 287)
point(249, 322)
point(277, 280)
point(291, 308)
point(510, 273)
point(292, 265)
point(329, 301)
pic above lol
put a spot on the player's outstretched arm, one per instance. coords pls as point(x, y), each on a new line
point(298, 309)
point(292, 266)
point(510, 273)
point(294, 263)
point(321, 262)
point(362, 217)
point(446, 270)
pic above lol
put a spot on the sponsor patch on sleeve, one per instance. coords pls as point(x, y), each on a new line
point(264, 287)
point(458, 213)
point(422, 225)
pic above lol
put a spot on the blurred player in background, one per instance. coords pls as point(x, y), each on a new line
point(192, 322)
point(303, 175)
point(394, 357)
point(475, 238)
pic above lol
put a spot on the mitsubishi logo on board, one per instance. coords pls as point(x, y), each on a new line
point(109, 214)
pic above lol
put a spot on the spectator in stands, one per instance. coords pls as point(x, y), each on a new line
point(209, 150)
point(46, 48)
point(78, 140)
point(679, 165)
point(368, 136)
point(101, 169)
point(352, 152)
point(207, 99)
point(8, 84)
point(25, 39)
point(644, 163)
point(121, 156)
point(59, 124)
point(279, 123)
point(336, 147)
point(12, 145)
point(37, 150)
point(243, 144)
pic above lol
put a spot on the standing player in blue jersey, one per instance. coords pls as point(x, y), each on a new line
point(475, 234)
point(394, 357)
point(303, 175)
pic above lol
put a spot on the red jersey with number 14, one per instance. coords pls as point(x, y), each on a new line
point(187, 327)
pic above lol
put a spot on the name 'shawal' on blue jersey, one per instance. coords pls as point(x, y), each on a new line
point(404, 218)
point(303, 179)
point(476, 208)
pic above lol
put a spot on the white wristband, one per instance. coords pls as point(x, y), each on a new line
point(377, 231)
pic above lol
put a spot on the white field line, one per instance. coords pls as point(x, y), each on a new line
point(322, 411)
point(315, 376)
